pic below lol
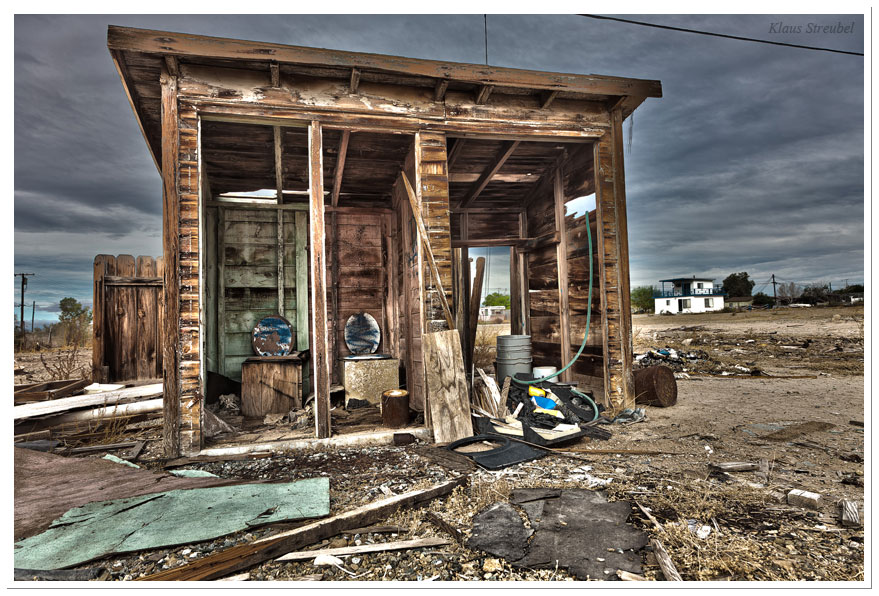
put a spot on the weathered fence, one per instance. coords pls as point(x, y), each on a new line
point(127, 336)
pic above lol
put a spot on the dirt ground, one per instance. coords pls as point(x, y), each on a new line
point(52, 365)
point(752, 533)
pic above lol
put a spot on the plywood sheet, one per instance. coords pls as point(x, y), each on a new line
point(447, 395)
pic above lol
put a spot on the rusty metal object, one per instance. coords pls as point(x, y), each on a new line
point(656, 386)
point(395, 408)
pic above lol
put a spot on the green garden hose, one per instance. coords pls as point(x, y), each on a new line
point(585, 335)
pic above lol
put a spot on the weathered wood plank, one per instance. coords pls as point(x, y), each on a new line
point(171, 248)
point(496, 164)
point(319, 355)
point(448, 397)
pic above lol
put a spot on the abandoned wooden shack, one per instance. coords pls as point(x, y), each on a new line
point(285, 173)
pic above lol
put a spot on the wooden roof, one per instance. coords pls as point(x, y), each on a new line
point(140, 54)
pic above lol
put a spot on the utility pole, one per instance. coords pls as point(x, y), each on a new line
point(24, 277)
point(774, 283)
point(33, 310)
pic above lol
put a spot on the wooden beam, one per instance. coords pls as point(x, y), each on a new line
point(165, 42)
point(483, 94)
point(340, 166)
point(317, 232)
point(507, 149)
point(355, 80)
point(439, 92)
point(237, 558)
point(425, 241)
point(279, 163)
point(279, 194)
point(524, 293)
point(172, 65)
point(546, 99)
point(622, 250)
point(562, 260)
point(171, 249)
point(455, 153)
point(275, 73)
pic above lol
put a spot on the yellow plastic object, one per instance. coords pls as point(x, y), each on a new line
point(536, 391)
point(555, 413)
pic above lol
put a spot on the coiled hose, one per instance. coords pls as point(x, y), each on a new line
point(585, 335)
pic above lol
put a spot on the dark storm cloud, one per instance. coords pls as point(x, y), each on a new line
point(752, 160)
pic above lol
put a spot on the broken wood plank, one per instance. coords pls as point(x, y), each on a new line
point(84, 401)
point(108, 447)
point(244, 556)
point(630, 577)
point(448, 397)
point(445, 526)
point(665, 563)
point(475, 300)
point(848, 513)
point(649, 515)
point(136, 450)
point(425, 240)
point(365, 548)
point(735, 466)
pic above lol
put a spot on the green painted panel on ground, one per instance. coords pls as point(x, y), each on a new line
point(103, 528)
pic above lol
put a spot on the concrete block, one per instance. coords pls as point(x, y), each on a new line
point(803, 498)
point(368, 379)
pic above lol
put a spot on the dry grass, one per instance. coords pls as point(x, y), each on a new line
point(64, 364)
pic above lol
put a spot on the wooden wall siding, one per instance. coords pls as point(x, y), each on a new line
point(189, 343)
point(126, 325)
point(247, 279)
point(432, 189)
point(613, 267)
point(362, 282)
point(485, 225)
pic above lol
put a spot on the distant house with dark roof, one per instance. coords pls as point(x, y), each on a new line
point(740, 301)
point(688, 295)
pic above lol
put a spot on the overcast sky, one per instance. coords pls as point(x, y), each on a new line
point(752, 161)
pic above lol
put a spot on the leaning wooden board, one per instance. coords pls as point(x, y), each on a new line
point(448, 397)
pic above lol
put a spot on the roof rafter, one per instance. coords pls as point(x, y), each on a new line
point(507, 149)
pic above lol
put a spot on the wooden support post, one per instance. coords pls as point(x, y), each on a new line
point(622, 245)
point(279, 193)
point(562, 260)
point(320, 378)
point(524, 292)
point(300, 223)
point(171, 249)
point(515, 299)
point(613, 272)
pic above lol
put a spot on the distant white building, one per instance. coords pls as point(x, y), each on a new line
point(688, 294)
point(487, 312)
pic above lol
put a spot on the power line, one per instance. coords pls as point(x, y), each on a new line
point(485, 29)
point(712, 34)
